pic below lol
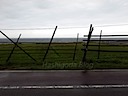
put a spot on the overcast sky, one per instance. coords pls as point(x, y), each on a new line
point(17, 14)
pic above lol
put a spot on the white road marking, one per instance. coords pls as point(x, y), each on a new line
point(64, 87)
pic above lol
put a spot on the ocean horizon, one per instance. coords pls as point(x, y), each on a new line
point(41, 40)
point(57, 40)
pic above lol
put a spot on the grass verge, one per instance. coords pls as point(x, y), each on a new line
point(60, 56)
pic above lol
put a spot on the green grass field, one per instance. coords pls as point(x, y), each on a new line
point(60, 56)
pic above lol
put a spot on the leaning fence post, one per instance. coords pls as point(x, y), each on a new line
point(18, 46)
point(86, 47)
point(49, 44)
point(99, 45)
point(75, 46)
point(13, 49)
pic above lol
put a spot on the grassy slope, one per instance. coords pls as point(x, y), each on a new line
point(60, 56)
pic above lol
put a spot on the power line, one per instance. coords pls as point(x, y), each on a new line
point(39, 28)
point(109, 25)
point(26, 28)
point(46, 28)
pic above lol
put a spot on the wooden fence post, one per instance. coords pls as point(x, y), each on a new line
point(18, 46)
point(49, 44)
point(13, 49)
point(74, 55)
point(86, 47)
point(99, 45)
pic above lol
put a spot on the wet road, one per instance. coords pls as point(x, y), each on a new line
point(9, 79)
point(65, 92)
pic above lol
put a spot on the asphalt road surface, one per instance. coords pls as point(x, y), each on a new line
point(65, 92)
point(64, 83)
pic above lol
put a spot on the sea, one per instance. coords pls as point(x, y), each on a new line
point(58, 40)
point(41, 40)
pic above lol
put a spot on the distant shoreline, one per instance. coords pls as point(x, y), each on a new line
point(41, 40)
point(61, 40)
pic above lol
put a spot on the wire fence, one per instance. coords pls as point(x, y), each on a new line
point(59, 53)
point(23, 54)
point(110, 52)
point(98, 50)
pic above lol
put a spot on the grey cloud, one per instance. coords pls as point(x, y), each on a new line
point(44, 4)
point(25, 13)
